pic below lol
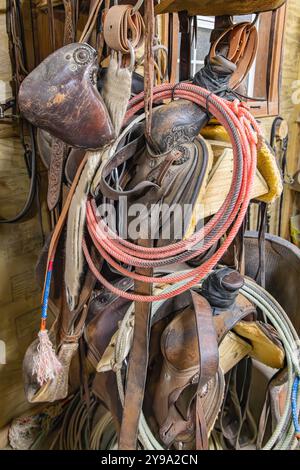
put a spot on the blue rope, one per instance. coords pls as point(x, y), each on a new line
point(295, 391)
point(46, 294)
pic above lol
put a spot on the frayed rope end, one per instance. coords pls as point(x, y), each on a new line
point(46, 364)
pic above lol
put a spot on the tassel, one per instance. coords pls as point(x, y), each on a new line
point(46, 365)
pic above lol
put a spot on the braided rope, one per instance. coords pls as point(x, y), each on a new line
point(243, 131)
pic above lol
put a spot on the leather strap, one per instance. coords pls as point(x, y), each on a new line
point(14, 26)
point(63, 216)
point(123, 24)
point(235, 410)
point(138, 364)
point(121, 156)
point(93, 15)
point(31, 196)
point(238, 43)
point(173, 46)
point(149, 68)
point(139, 355)
point(201, 433)
point(262, 244)
point(69, 27)
point(208, 367)
point(185, 46)
point(55, 175)
point(51, 24)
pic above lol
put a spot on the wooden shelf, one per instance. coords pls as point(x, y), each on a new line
point(217, 7)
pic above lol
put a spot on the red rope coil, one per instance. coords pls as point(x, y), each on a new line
point(243, 131)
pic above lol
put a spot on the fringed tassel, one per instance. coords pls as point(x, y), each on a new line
point(46, 364)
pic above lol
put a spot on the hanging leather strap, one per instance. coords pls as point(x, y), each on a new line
point(185, 46)
point(93, 15)
point(58, 154)
point(123, 25)
point(69, 27)
point(185, 403)
point(208, 367)
point(28, 206)
point(149, 67)
point(51, 24)
point(59, 148)
point(139, 356)
point(207, 340)
point(238, 43)
point(138, 364)
point(262, 244)
point(14, 26)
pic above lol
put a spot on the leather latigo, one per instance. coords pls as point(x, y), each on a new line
point(72, 156)
point(55, 175)
point(61, 96)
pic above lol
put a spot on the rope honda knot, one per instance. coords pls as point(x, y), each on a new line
point(237, 107)
point(241, 110)
point(251, 134)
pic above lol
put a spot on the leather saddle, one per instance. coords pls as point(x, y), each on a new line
point(61, 97)
point(186, 335)
point(172, 170)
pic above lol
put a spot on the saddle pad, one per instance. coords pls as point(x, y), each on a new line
point(266, 162)
point(266, 346)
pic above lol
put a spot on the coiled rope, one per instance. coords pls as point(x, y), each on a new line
point(243, 131)
point(284, 435)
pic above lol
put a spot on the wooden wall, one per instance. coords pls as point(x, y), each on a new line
point(20, 245)
point(290, 73)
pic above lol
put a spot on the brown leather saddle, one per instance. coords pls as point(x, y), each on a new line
point(61, 96)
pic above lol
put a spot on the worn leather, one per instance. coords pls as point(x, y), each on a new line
point(123, 24)
point(179, 346)
point(172, 177)
point(238, 44)
point(282, 271)
point(60, 96)
point(178, 122)
point(55, 175)
point(273, 408)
